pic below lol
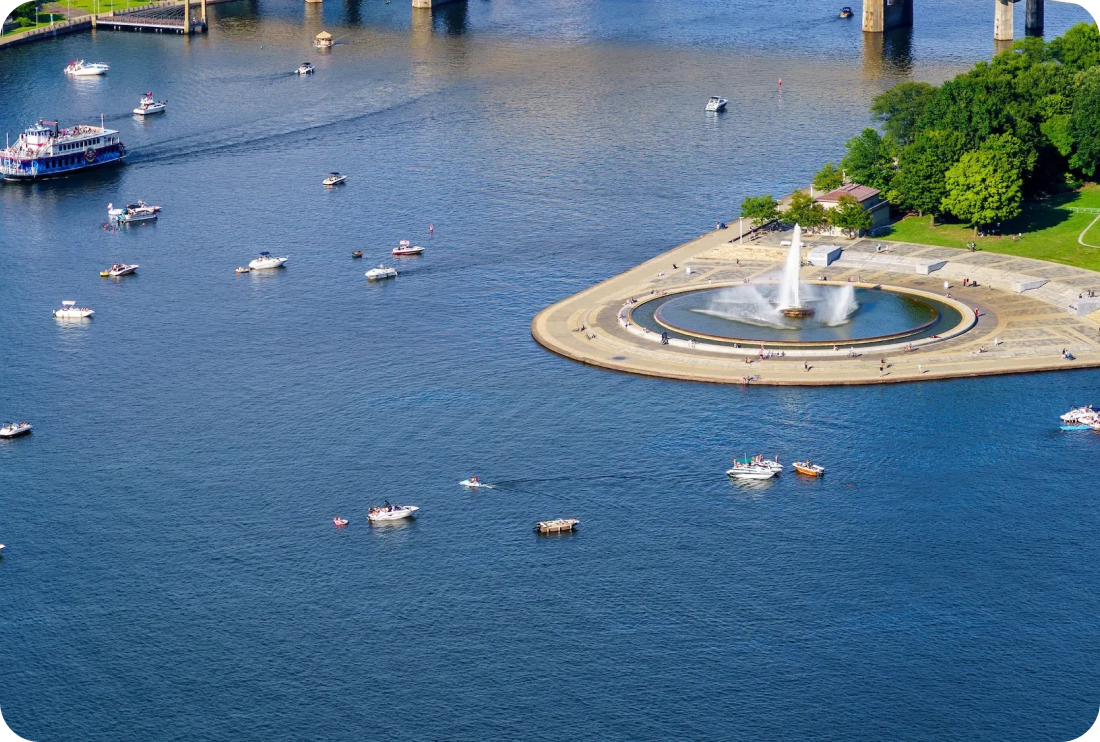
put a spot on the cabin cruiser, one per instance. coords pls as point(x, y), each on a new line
point(846, 12)
point(305, 68)
point(759, 460)
point(266, 260)
point(391, 512)
point(135, 212)
point(381, 272)
point(69, 310)
point(86, 69)
point(716, 104)
point(1081, 418)
point(334, 179)
point(119, 269)
point(11, 430)
point(474, 483)
point(750, 471)
point(404, 248)
point(149, 106)
point(810, 470)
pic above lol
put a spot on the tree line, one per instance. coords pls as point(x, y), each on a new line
point(1024, 125)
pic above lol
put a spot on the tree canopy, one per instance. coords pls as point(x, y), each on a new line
point(901, 107)
point(805, 211)
point(850, 217)
point(828, 178)
point(921, 182)
point(869, 160)
point(760, 209)
point(982, 188)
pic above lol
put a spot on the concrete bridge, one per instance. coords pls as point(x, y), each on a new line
point(883, 15)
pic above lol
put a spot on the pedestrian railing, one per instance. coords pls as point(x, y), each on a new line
point(1083, 210)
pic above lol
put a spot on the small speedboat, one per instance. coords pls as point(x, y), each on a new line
point(86, 69)
point(149, 106)
point(334, 179)
point(845, 12)
point(305, 68)
point(750, 471)
point(69, 310)
point(474, 483)
point(267, 261)
point(338, 521)
point(391, 512)
point(810, 470)
point(119, 269)
point(11, 430)
point(242, 270)
point(404, 248)
point(135, 212)
point(716, 104)
point(381, 272)
point(357, 253)
point(1078, 426)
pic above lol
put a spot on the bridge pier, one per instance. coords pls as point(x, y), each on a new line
point(431, 3)
point(1034, 20)
point(882, 15)
point(1002, 20)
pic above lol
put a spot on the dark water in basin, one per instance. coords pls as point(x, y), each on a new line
point(172, 572)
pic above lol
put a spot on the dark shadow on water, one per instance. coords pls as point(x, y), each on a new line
point(450, 18)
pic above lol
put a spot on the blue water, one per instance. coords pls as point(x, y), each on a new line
point(172, 572)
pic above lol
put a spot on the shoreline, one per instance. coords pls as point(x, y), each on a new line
point(1023, 306)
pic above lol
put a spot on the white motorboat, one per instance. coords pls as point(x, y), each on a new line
point(405, 248)
point(135, 212)
point(11, 430)
point(381, 272)
point(86, 69)
point(266, 261)
point(119, 269)
point(1080, 414)
point(750, 471)
point(305, 68)
point(391, 512)
point(716, 104)
point(149, 106)
point(474, 483)
point(69, 310)
point(759, 460)
point(334, 179)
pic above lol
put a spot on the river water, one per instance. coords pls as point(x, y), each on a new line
point(172, 572)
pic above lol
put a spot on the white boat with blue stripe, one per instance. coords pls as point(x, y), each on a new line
point(45, 150)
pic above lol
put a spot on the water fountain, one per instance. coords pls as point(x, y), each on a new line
point(790, 303)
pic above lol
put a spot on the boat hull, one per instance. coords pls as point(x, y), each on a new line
point(268, 264)
point(402, 513)
point(61, 173)
point(15, 433)
point(150, 110)
point(767, 474)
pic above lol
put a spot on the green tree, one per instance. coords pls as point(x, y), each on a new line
point(922, 168)
point(760, 209)
point(805, 211)
point(1077, 49)
point(983, 187)
point(850, 217)
point(828, 178)
point(900, 108)
point(870, 160)
point(1084, 124)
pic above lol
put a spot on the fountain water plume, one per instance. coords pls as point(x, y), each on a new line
point(790, 300)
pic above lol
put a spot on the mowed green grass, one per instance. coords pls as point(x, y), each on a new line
point(1050, 231)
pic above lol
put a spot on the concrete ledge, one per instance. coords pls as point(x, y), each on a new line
point(1084, 307)
point(887, 262)
point(1028, 284)
point(823, 255)
point(928, 266)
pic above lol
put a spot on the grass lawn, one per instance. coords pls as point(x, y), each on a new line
point(43, 20)
point(103, 6)
point(1050, 231)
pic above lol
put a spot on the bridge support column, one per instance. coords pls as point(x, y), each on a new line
point(186, 17)
point(1033, 25)
point(1002, 20)
point(883, 15)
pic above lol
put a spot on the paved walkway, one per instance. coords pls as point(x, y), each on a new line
point(1024, 305)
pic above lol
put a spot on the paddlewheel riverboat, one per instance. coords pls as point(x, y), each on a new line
point(45, 150)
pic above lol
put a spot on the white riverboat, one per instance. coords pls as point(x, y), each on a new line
point(404, 247)
point(119, 269)
point(750, 471)
point(149, 106)
point(267, 261)
point(716, 104)
point(45, 150)
point(135, 212)
point(13, 430)
point(69, 310)
point(86, 69)
point(381, 272)
point(391, 512)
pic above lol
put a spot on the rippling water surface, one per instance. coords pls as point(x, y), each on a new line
point(172, 572)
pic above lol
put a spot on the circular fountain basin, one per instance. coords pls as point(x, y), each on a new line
point(748, 314)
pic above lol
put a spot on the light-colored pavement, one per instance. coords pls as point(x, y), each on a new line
point(1024, 325)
